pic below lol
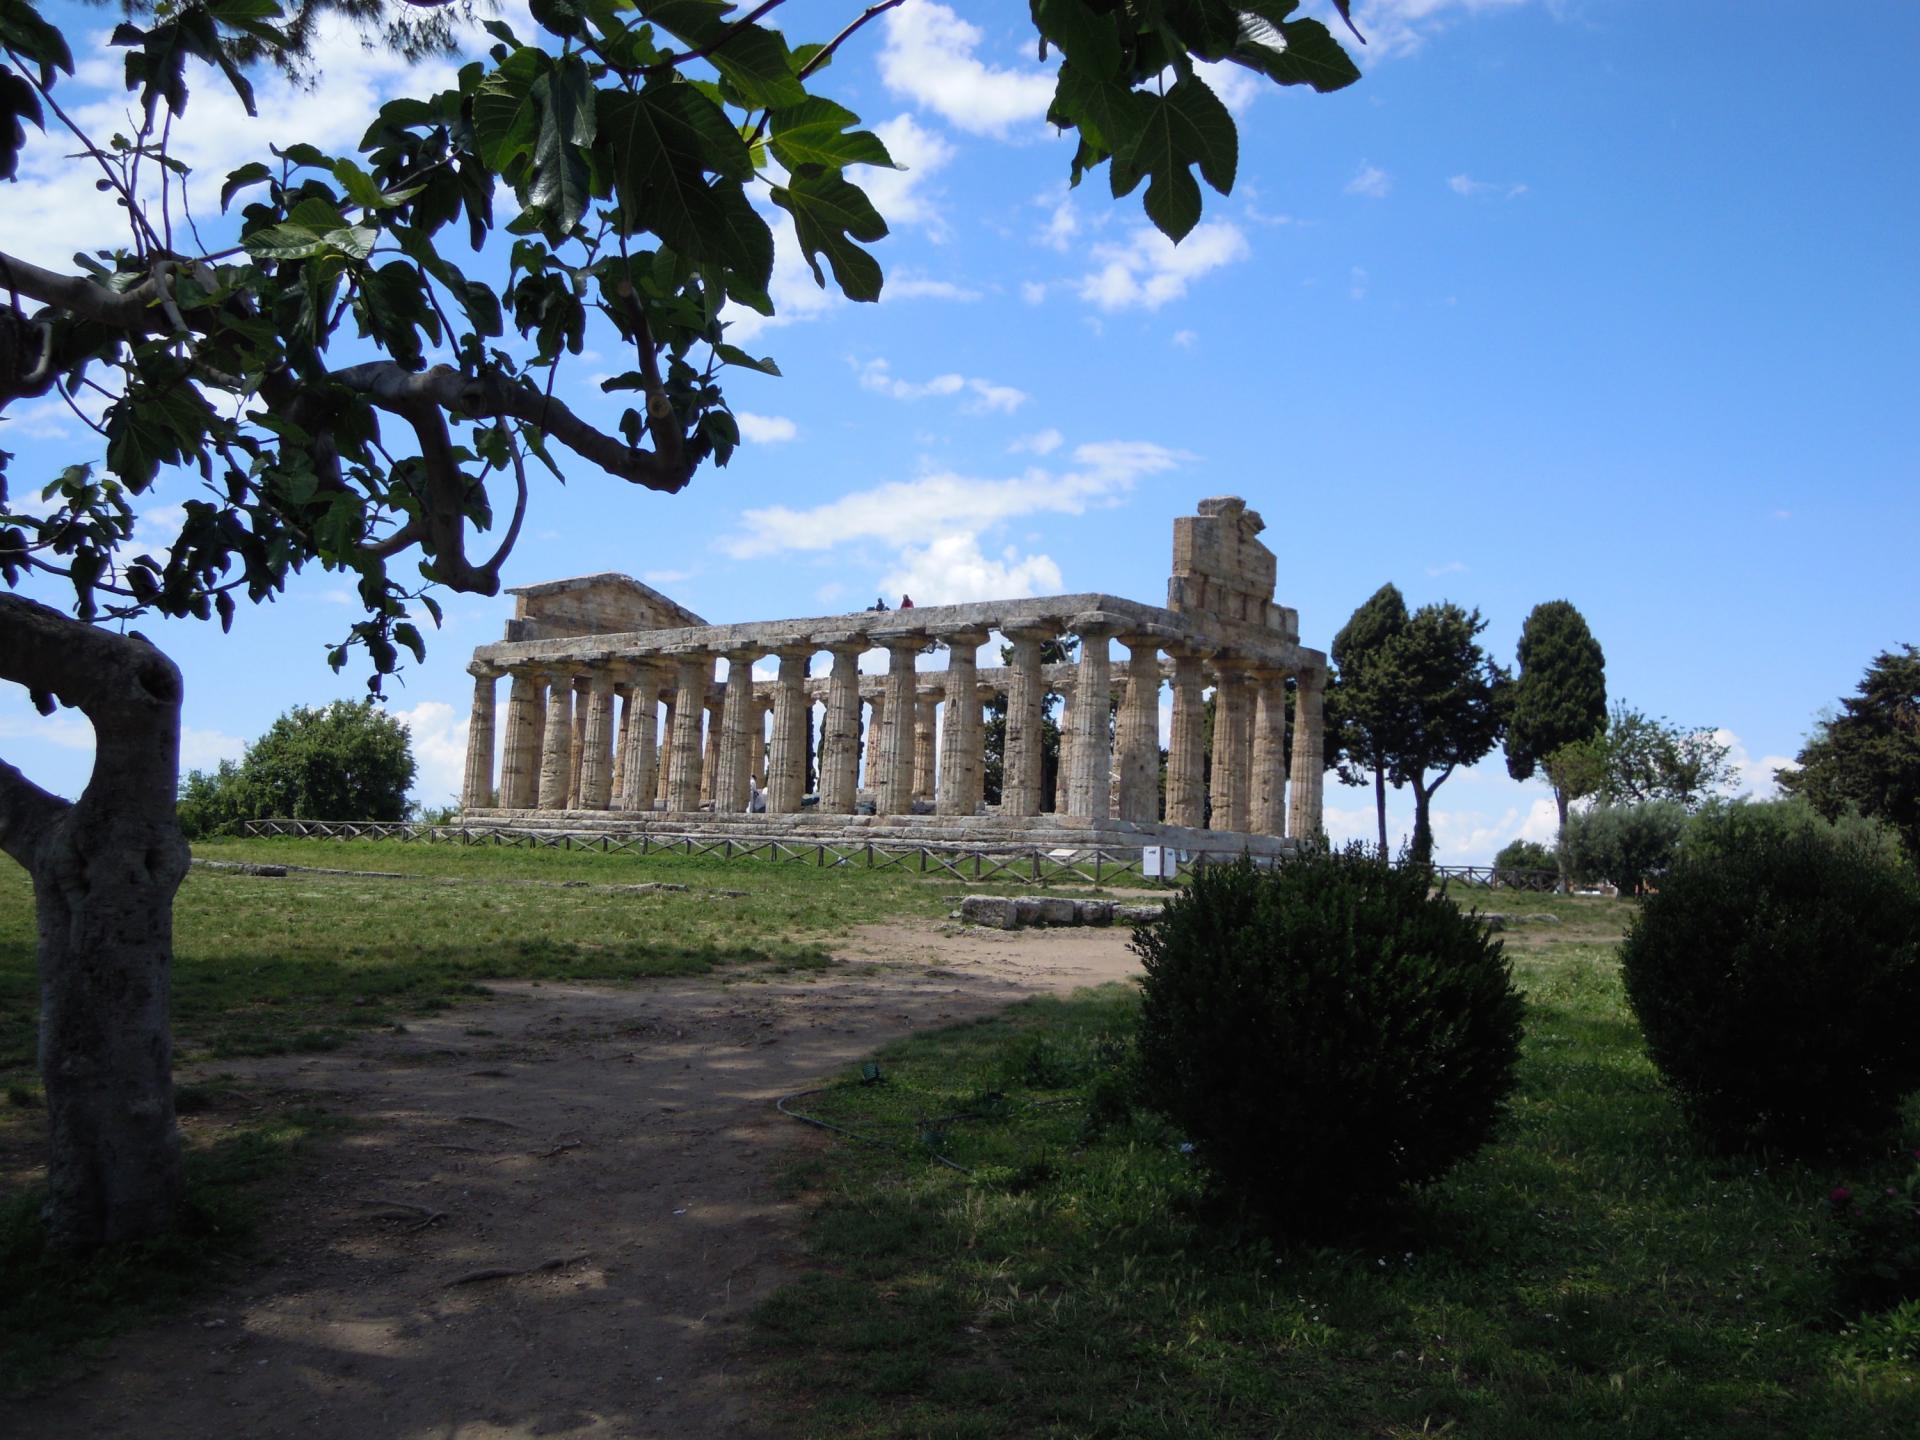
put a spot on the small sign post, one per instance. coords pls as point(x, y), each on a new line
point(1159, 862)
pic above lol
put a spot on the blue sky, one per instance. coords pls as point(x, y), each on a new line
point(1600, 300)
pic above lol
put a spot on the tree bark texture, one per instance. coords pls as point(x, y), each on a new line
point(104, 871)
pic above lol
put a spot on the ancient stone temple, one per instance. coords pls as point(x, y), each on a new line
point(614, 718)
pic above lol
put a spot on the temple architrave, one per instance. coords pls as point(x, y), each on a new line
point(614, 720)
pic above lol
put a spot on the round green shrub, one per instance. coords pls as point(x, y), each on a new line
point(1776, 974)
point(1324, 1032)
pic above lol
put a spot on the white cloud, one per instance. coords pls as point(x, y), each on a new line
point(1399, 27)
point(439, 738)
point(765, 429)
point(1467, 186)
point(1041, 442)
point(1371, 181)
point(905, 513)
point(45, 419)
point(64, 729)
point(665, 577)
point(1149, 270)
point(1032, 291)
point(1183, 339)
point(205, 749)
point(902, 196)
point(1237, 86)
point(907, 285)
point(952, 570)
point(929, 57)
point(52, 210)
point(1357, 283)
point(1752, 777)
point(1062, 225)
point(1451, 567)
point(988, 398)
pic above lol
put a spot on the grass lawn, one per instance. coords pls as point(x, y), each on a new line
point(1592, 1273)
point(265, 965)
point(270, 965)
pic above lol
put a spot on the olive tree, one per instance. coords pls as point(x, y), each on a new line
point(332, 373)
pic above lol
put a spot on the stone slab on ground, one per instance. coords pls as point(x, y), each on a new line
point(1016, 912)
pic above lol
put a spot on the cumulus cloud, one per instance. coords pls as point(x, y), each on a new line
point(928, 57)
point(1753, 777)
point(903, 195)
point(1149, 270)
point(987, 397)
point(1469, 188)
point(904, 513)
point(52, 209)
point(906, 285)
point(439, 737)
point(1032, 291)
point(1371, 181)
point(952, 570)
point(765, 429)
point(205, 749)
point(1400, 27)
point(1062, 225)
point(1041, 442)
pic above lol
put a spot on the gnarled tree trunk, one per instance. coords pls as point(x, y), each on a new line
point(105, 869)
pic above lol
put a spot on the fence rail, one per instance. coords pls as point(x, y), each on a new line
point(1093, 865)
point(1038, 865)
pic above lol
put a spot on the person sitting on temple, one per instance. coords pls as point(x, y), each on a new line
point(906, 602)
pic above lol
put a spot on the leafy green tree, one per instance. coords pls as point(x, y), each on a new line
point(1624, 845)
point(1524, 855)
point(1447, 702)
point(1867, 758)
point(1651, 758)
point(1361, 708)
point(1558, 699)
point(626, 134)
point(348, 760)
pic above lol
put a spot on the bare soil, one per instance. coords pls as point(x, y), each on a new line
point(616, 1147)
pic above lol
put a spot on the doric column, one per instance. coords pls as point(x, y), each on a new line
point(1026, 708)
point(520, 756)
point(1090, 789)
point(663, 762)
point(710, 767)
point(596, 750)
point(476, 793)
point(961, 732)
point(983, 696)
point(1138, 733)
point(759, 748)
point(1063, 758)
point(622, 718)
point(873, 746)
point(556, 755)
point(637, 782)
point(1186, 749)
point(1270, 752)
point(840, 736)
point(1243, 755)
point(787, 763)
point(736, 735)
point(926, 712)
point(1309, 771)
point(579, 755)
point(1229, 696)
point(692, 675)
point(896, 763)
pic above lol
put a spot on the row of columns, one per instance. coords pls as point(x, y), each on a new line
point(568, 744)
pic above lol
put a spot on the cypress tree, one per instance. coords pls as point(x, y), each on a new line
point(1360, 710)
point(1559, 698)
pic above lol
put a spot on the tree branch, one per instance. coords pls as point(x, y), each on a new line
point(27, 815)
point(387, 385)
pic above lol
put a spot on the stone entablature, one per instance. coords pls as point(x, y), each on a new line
point(632, 720)
point(592, 605)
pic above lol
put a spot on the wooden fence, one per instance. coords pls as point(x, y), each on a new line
point(1093, 865)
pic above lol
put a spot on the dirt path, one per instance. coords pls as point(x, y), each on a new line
point(627, 1134)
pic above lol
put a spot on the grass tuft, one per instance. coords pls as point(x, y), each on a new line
point(1591, 1273)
